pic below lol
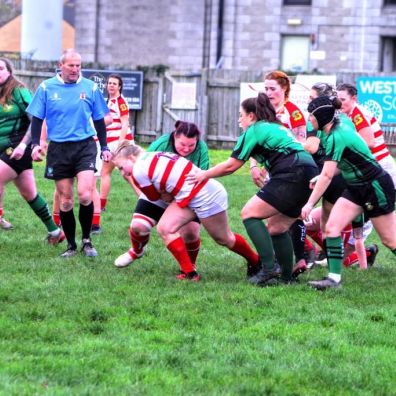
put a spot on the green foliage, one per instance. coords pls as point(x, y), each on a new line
point(82, 326)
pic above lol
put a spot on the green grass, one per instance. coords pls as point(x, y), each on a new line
point(82, 326)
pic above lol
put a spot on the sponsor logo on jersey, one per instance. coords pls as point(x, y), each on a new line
point(55, 96)
point(83, 95)
point(123, 107)
point(296, 115)
point(358, 119)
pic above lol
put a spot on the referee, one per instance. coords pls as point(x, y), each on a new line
point(73, 108)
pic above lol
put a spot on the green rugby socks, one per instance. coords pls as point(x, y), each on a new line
point(259, 235)
point(283, 248)
point(335, 255)
point(40, 207)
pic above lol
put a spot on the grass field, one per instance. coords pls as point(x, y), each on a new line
point(81, 326)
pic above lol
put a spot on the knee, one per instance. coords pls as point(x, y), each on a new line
point(163, 230)
point(66, 204)
point(85, 197)
point(223, 241)
point(245, 213)
point(277, 229)
point(140, 229)
point(331, 230)
point(390, 243)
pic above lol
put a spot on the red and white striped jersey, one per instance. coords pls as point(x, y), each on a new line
point(118, 108)
point(291, 116)
point(362, 118)
point(157, 172)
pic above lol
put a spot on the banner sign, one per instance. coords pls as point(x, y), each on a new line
point(132, 84)
point(378, 94)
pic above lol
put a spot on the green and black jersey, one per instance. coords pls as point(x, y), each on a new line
point(273, 146)
point(345, 146)
point(199, 157)
point(319, 156)
point(14, 121)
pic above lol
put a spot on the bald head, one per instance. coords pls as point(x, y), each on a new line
point(70, 66)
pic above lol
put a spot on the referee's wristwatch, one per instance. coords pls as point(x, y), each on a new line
point(102, 150)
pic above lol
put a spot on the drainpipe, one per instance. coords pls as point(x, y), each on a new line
point(97, 29)
point(363, 34)
point(219, 52)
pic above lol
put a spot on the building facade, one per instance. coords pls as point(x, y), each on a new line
point(294, 35)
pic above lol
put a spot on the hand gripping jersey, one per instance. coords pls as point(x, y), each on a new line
point(118, 108)
point(157, 172)
point(362, 118)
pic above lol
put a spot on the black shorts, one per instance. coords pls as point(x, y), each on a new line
point(335, 189)
point(151, 210)
point(288, 194)
point(148, 209)
point(377, 198)
point(65, 160)
point(18, 165)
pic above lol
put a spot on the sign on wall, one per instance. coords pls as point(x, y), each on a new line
point(378, 94)
point(132, 84)
point(184, 95)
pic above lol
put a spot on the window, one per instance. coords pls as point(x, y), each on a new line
point(298, 2)
point(295, 53)
point(388, 54)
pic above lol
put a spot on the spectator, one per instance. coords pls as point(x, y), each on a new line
point(117, 131)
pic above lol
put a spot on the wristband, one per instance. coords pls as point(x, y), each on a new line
point(22, 145)
point(253, 166)
point(104, 148)
point(34, 145)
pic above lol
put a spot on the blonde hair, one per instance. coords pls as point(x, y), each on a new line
point(127, 149)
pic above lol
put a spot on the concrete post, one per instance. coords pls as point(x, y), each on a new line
point(41, 36)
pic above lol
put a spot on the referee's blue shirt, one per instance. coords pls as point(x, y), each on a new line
point(68, 108)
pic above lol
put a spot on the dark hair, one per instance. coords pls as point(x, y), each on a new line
point(323, 109)
point(188, 129)
point(324, 89)
point(351, 89)
point(261, 107)
point(8, 87)
point(282, 79)
point(117, 77)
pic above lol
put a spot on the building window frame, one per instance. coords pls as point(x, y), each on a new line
point(304, 43)
point(298, 2)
